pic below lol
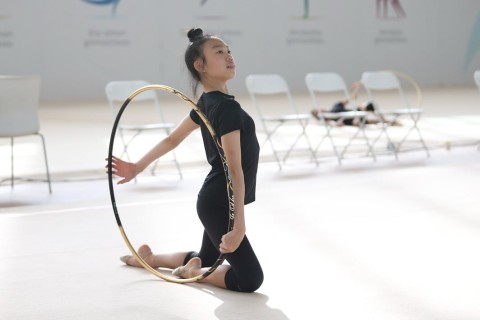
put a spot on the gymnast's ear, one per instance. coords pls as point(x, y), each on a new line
point(198, 65)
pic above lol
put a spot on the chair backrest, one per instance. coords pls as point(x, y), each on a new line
point(325, 82)
point(476, 77)
point(118, 91)
point(375, 81)
point(268, 85)
point(19, 101)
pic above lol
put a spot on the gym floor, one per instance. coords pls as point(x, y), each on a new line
point(385, 239)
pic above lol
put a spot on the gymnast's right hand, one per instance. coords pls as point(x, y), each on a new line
point(123, 169)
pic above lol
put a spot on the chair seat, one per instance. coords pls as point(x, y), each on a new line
point(344, 115)
point(15, 134)
point(401, 111)
point(288, 117)
point(150, 126)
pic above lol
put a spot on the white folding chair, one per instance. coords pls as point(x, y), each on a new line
point(476, 77)
point(271, 86)
point(387, 82)
point(117, 92)
point(19, 101)
point(319, 83)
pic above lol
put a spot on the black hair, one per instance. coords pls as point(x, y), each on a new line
point(370, 107)
point(193, 52)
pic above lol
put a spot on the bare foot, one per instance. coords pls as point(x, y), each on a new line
point(190, 270)
point(144, 252)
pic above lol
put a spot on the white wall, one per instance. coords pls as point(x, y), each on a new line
point(78, 47)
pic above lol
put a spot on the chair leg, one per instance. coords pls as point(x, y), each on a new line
point(383, 130)
point(328, 135)
point(352, 138)
point(125, 143)
point(269, 134)
point(415, 120)
point(363, 125)
point(360, 129)
point(302, 134)
point(177, 164)
point(46, 163)
point(310, 147)
point(275, 154)
point(420, 136)
point(287, 154)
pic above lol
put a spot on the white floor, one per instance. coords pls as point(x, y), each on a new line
point(391, 239)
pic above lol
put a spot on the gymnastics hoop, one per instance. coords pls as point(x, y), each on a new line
point(231, 213)
point(412, 82)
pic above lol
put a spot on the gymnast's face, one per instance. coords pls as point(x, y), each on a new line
point(218, 62)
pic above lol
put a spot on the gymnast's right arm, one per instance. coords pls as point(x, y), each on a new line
point(128, 170)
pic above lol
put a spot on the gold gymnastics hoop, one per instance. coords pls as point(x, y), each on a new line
point(412, 82)
point(231, 202)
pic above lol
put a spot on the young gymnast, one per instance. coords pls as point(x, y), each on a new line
point(211, 64)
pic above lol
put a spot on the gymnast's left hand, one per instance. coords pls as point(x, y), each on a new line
point(123, 169)
point(231, 241)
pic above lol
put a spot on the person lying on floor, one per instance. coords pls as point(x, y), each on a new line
point(341, 106)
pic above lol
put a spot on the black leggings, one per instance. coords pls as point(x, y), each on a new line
point(245, 274)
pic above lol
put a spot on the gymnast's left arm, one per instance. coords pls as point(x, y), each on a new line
point(233, 154)
point(128, 170)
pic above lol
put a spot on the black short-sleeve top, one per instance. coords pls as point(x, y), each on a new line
point(226, 115)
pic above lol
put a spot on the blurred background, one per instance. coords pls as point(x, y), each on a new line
point(77, 46)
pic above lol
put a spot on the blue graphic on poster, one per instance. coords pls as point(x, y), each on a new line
point(113, 3)
point(306, 9)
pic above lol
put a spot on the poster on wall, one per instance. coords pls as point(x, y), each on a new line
point(79, 45)
point(21, 39)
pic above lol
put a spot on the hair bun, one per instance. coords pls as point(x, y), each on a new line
point(194, 34)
